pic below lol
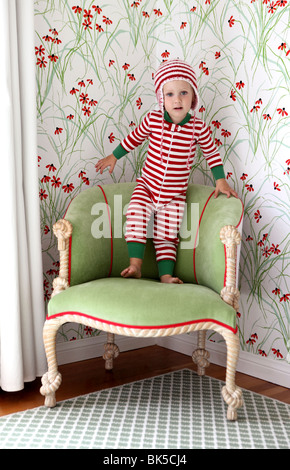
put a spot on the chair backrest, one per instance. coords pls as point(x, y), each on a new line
point(98, 248)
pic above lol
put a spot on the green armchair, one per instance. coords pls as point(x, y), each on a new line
point(89, 289)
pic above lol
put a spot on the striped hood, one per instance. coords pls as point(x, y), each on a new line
point(170, 70)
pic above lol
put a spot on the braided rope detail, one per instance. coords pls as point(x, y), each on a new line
point(62, 229)
point(49, 388)
point(230, 237)
point(139, 332)
point(234, 400)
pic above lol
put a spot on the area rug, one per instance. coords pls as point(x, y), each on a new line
point(178, 410)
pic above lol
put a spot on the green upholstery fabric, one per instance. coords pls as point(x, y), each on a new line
point(93, 258)
point(96, 287)
point(143, 303)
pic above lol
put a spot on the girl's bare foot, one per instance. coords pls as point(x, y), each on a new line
point(167, 278)
point(134, 270)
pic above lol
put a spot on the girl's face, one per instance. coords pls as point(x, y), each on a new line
point(178, 96)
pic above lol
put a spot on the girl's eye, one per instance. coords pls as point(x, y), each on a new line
point(169, 94)
point(184, 92)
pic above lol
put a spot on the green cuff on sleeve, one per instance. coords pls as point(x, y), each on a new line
point(218, 172)
point(119, 152)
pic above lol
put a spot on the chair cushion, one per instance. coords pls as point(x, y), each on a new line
point(143, 303)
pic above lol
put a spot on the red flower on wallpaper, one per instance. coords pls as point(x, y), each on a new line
point(47, 38)
point(93, 102)
point(183, 24)
point(87, 111)
point(41, 62)
point(87, 24)
point(274, 249)
point(135, 4)
point(282, 111)
point(84, 98)
point(81, 83)
point(255, 108)
point(145, 14)
point(53, 57)
point(70, 117)
point(272, 7)
point(73, 91)
point(77, 9)
point(111, 62)
point(107, 20)
point(131, 76)
point(257, 216)
point(218, 142)
point(39, 50)
point(262, 352)
point(68, 188)
point(277, 353)
point(276, 291)
point(51, 167)
point(87, 14)
point(240, 85)
point(266, 252)
point(233, 95)
point(99, 28)
point(217, 55)
point(55, 182)
point(267, 117)
point(249, 187)
point(125, 66)
point(282, 46)
point(43, 194)
point(225, 133)
point(58, 130)
point(285, 297)
point(45, 179)
point(231, 21)
point(111, 138)
point(205, 70)
point(244, 176)
point(276, 187)
point(216, 124)
point(139, 103)
point(53, 31)
point(57, 41)
point(165, 54)
point(158, 12)
point(97, 9)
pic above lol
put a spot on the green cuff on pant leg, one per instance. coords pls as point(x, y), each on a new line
point(136, 249)
point(166, 266)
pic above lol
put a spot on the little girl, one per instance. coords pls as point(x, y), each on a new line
point(173, 135)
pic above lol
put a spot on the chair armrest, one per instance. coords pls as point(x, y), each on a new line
point(63, 231)
point(230, 237)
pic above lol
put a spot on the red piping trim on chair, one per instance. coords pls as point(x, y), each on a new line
point(194, 248)
point(234, 330)
point(110, 222)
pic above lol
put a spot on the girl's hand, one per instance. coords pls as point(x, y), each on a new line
point(223, 187)
point(109, 161)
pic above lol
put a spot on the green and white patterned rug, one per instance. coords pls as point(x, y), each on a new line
point(179, 410)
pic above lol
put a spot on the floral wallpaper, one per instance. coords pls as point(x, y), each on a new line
point(94, 63)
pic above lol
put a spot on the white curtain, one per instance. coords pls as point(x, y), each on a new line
point(22, 356)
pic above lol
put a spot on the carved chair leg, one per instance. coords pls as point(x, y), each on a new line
point(230, 392)
point(200, 356)
point(51, 379)
point(111, 351)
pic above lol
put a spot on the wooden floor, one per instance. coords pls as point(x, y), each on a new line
point(84, 377)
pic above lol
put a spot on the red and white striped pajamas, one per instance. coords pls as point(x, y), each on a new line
point(161, 189)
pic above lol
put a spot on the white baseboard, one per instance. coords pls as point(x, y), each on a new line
point(275, 371)
point(83, 349)
point(271, 370)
